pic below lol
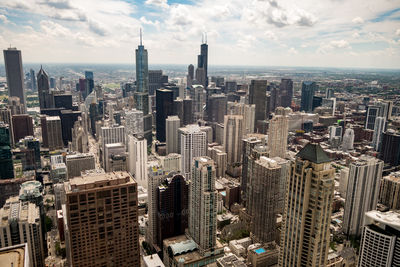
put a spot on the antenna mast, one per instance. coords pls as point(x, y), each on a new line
point(140, 36)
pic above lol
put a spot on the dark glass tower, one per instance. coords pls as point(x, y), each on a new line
point(390, 150)
point(6, 163)
point(164, 108)
point(142, 89)
point(286, 92)
point(307, 96)
point(15, 74)
point(202, 62)
point(258, 96)
point(45, 100)
point(89, 83)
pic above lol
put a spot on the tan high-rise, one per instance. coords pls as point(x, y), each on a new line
point(277, 136)
point(308, 209)
point(102, 220)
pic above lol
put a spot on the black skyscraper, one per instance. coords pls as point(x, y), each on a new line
point(258, 96)
point(307, 94)
point(202, 61)
point(286, 92)
point(390, 151)
point(164, 108)
point(45, 98)
point(15, 74)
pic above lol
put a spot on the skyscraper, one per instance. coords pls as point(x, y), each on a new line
point(233, 132)
point(164, 108)
point(348, 140)
point(286, 92)
point(51, 133)
point(216, 108)
point(102, 220)
point(307, 216)
point(380, 125)
point(263, 198)
point(89, 79)
point(134, 122)
point(202, 62)
point(192, 144)
point(23, 126)
point(137, 163)
point(390, 148)
point(203, 204)
point(199, 100)
point(142, 89)
point(362, 193)
point(172, 126)
point(6, 162)
point(389, 194)
point(15, 74)
point(45, 98)
point(76, 163)
point(380, 239)
point(33, 80)
point(172, 209)
point(257, 96)
point(248, 113)
point(278, 135)
point(307, 94)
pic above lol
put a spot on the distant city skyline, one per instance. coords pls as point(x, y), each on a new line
point(331, 33)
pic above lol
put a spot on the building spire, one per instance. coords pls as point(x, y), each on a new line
point(140, 36)
point(205, 37)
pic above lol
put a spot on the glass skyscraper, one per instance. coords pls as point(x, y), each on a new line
point(6, 162)
point(307, 95)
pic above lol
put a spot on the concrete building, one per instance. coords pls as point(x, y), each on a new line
point(21, 223)
point(379, 128)
point(134, 122)
point(219, 156)
point(22, 126)
point(389, 194)
point(153, 261)
point(344, 179)
point(216, 108)
point(203, 204)
point(199, 100)
point(16, 256)
point(172, 162)
point(248, 113)
point(111, 135)
point(137, 154)
point(172, 126)
point(76, 163)
point(51, 133)
point(115, 157)
point(348, 140)
point(308, 207)
point(15, 74)
point(277, 136)
point(380, 239)
point(362, 193)
point(233, 132)
point(192, 143)
point(102, 220)
point(263, 192)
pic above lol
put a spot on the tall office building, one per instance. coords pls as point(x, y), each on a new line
point(218, 155)
point(137, 162)
point(6, 162)
point(172, 207)
point(380, 242)
point(377, 109)
point(32, 80)
point(203, 204)
point(362, 193)
point(89, 78)
point(262, 199)
point(172, 126)
point(115, 157)
point(258, 96)
point(21, 223)
point(76, 163)
point(199, 100)
point(380, 125)
point(202, 63)
point(390, 148)
point(286, 93)
point(192, 144)
point(216, 108)
point(155, 81)
point(15, 74)
point(308, 208)
point(233, 132)
point(102, 220)
point(51, 133)
point(164, 108)
point(183, 108)
point(111, 135)
point(278, 135)
point(45, 97)
point(248, 113)
point(134, 122)
point(348, 140)
point(142, 89)
point(389, 194)
point(308, 90)
point(22, 126)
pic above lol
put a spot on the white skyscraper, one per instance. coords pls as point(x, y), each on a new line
point(137, 162)
point(134, 122)
point(203, 204)
point(348, 140)
point(380, 242)
point(277, 136)
point(172, 125)
point(111, 135)
point(362, 192)
point(380, 123)
point(247, 111)
point(192, 144)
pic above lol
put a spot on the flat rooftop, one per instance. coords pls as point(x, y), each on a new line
point(16, 256)
point(97, 180)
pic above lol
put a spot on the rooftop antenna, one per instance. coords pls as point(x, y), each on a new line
point(202, 38)
point(140, 36)
point(206, 37)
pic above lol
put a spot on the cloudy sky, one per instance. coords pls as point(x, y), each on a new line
point(336, 33)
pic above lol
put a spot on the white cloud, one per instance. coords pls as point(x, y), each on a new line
point(355, 35)
point(358, 20)
point(398, 32)
point(332, 46)
point(340, 44)
point(4, 19)
point(293, 51)
point(159, 3)
point(271, 35)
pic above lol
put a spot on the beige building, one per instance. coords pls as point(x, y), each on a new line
point(79, 162)
point(277, 136)
point(390, 191)
point(20, 223)
point(102, 220)
point(53, 133)
point(233, 132)
point(309, 195)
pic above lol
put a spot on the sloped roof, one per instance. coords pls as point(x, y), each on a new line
point(183, 247)
point(313, 153)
